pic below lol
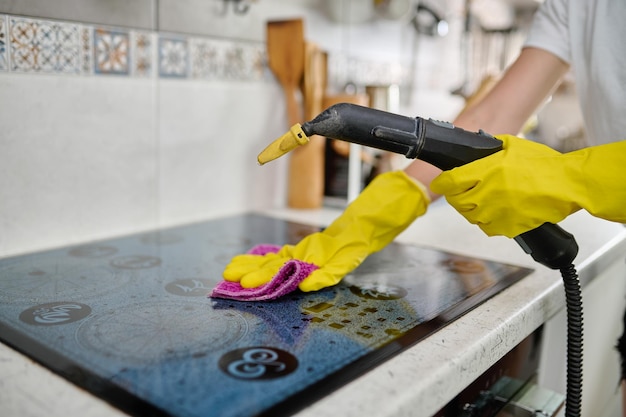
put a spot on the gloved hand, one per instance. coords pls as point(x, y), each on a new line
point(528, 184)
point(387, 206)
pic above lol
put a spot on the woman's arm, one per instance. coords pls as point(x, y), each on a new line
point(509, 104)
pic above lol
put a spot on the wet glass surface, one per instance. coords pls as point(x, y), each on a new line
point(129, 318)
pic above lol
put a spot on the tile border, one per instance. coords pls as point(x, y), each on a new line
point(44, 46)
point(4, 63)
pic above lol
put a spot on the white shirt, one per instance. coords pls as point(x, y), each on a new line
point(590, 35)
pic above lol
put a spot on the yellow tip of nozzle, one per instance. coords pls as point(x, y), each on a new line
point(287, 142)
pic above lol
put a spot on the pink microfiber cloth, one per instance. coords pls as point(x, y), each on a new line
point(284, 282)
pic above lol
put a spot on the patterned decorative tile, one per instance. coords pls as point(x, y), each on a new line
point(204, 56)
point(173, 56)
point(4, 65)
point(142, 53)
point(111, 51)
point(86, 49)
point(68, 48)
point(46, 46)
point(219, 59)
point(43, 46)
point(243, 61)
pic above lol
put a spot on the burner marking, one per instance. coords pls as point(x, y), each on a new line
point(191, 287)
point(55, 313)
point(148, 332)
point(258, 363)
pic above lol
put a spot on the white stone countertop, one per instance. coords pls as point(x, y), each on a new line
point(418, 381)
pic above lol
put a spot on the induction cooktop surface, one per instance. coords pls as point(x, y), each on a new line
point(129, 319)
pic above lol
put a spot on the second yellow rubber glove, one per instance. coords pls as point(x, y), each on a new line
point(386, 207)
point(527, 184)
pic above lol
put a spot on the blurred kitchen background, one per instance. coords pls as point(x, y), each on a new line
point(120, 116)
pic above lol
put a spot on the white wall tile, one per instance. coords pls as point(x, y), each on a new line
point(210, 135)
point(217, 17)
point(136, 13)
point(77, 159)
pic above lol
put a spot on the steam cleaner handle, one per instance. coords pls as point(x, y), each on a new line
point(447, 146)
point(443, 145)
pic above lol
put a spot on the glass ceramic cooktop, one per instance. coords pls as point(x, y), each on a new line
point(129, 319)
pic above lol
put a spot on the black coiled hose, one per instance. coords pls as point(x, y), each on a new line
point(573, 301)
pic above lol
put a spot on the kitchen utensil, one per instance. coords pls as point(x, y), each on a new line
point(427, 21)
point(306, 165)
point(285, 54)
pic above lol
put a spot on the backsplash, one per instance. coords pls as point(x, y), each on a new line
point(54, 47)
point(3, 41)
point(30, 45)
point(108, 129)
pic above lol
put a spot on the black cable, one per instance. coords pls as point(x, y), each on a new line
point(573, 302)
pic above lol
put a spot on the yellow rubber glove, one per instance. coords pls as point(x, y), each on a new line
point(387, 206)
point(527, 184)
